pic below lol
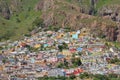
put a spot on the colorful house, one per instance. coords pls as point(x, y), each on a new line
point(60, 56)
point(75, 36)
point(78, 71)
point(1, 68)
point(79, 49)
point(61, 35)
point(45, 45)
point(37, 46)
point(66, 53)
point(53, 59)
point(72, 50)
point(32, 60)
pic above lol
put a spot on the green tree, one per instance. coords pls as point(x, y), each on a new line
point(4, 60)
point(115, 61)
point(8, 34)
point(61, 78)
point(113, 75)
point(60, 47)
point(76, 62)
point(65, 46)
point(18, 20)
point(100, 77)
point(72, 76)
point(42, 47)
point(38, 22)
point(84, 75)
point(60, 65)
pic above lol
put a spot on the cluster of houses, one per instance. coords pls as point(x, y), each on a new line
point(39, 55)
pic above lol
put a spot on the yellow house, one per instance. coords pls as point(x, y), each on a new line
point(26, 57)
point(28, 40)
point(61, 35)
point(37, 46)
point(66, 53)
point(81, 35)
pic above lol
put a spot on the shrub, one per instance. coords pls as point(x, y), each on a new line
point(38, 22)
point(18, 20)
point(8, 34)
point(84, 75)
point(100, 77)
point(72, 77)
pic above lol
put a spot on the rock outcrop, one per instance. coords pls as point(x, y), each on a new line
point(71, 16)
point(118, 33)
point(7, 9)
point(4, 9)
point(112, 11)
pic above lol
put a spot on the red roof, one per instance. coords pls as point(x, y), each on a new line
point(78, 71)
point(72, 50)
point(75, 72)
point(90, 49)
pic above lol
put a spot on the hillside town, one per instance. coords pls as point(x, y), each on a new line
point(61, 53)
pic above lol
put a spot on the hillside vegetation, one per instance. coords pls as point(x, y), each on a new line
point(20, 19)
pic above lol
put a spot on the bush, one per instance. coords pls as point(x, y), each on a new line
point(72, 77)
point(1, 47)
point(112, 76)
point(56, 29)
point(69, 0)
point(52, 78)
point(115, 60)
point(18, 20)
point(60, 47)
point(27, 35)
point(76, 62)
point(60, 65)
point(4, 60)
point(84, 75)
point(31, 28)
point(38, 22)
point(49, 35)
point(100, 77)
point(7, 35)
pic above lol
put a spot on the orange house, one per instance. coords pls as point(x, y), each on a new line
point(60, 35)
point(1, 68)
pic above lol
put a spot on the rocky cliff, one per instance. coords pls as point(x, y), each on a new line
point(64, 14)
point(112, 12)
point(4, 9)
point(7, 9)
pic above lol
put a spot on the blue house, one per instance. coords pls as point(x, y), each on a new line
point(32, 60)
point(79, 49)
point(60, 56)
point(75, 36)
point(45, 45)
